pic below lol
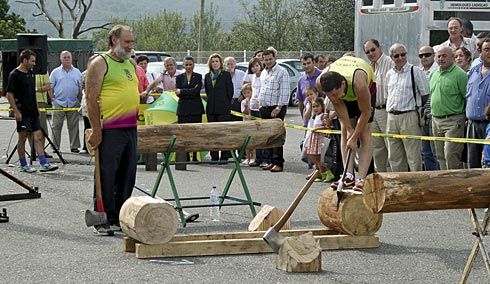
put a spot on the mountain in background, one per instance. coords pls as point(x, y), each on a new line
point(103, 10)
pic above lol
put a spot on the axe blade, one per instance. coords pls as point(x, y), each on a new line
point(94, 218)
point(273, 239)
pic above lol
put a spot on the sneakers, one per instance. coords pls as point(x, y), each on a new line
point(115, 228)
point(253, 163)
point(359, 186)
point(246, 162)
point(48, 167)
point(348, 182)
point(83, 151)
point(103, 230)
point(28, 169)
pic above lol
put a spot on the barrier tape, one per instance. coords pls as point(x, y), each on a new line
point(384, 135)
point(42, 109)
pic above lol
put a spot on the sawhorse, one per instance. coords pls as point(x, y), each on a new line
point(177, 199)
point(478, 245)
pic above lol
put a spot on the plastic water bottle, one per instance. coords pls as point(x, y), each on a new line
point(214, 198)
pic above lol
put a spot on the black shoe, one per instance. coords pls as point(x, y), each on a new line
point(75, 150)
point(103, 230)
point(191, 217)
point(48, 156)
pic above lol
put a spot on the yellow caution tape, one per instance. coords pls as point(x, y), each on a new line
point(49, 109)
point(385, 135)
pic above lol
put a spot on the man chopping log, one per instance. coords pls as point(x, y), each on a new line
point(347, 84)
point(112, 102)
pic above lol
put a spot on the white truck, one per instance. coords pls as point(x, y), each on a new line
point(414, 23)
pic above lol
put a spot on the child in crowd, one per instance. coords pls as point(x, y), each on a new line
point(245, 107)
point(486, 148)
point(310, 95)
point(313, 148)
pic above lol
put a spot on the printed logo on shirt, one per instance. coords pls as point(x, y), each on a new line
point(128, 74)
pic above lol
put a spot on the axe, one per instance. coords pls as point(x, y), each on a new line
point(340, 187)
point(272, 236)
point(98, 217)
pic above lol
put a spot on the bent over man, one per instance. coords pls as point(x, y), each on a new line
point(346, 83)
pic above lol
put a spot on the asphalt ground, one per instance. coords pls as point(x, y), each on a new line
point(46, 239)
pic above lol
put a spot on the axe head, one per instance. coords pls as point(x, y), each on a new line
point(273, 239)
point(94, 218)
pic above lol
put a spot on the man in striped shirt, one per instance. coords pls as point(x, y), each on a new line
point(274, 98)
point(407, 92)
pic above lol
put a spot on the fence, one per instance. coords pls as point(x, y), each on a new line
point(246, 55)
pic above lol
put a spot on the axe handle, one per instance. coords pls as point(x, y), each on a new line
point(297, 199)
point(98, 186)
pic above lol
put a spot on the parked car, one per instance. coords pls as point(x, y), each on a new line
point(294, 63)
point(294, 76)
point(153, 56)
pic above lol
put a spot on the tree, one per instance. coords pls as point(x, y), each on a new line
point(77, 11)
point(211, 28)
point(10, 24)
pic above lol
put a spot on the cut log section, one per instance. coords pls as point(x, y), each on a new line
point(352, 217)
point(300, 254)
point(433, 190)
point(266, 218)
point(148, 220)
point(192, 137)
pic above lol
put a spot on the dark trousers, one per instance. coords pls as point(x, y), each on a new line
point(261, 155)
point(190, 119)
point(236, 105)
point(428, 149)
point(215, 155)
point(86, 125)
point(277, 152)
point(117, 154)
point(476, 129)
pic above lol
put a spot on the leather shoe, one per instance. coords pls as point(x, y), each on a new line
point(276, 169)
point(268, 167)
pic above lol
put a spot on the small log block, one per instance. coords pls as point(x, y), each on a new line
point(300, 254)
point(148, 220)
point(193, 137)
point(266, 218)
point(352, 217)
point(432, 190)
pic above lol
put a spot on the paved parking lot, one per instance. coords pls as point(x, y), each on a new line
point(46, 239)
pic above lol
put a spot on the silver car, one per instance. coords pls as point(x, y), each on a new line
point(294, 76)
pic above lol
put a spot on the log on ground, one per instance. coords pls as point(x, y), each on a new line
point(148, 220)
point(266, 218)
point(191, 137)
point(432, 190)
point(352, 217)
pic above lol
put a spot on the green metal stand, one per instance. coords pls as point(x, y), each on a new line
point(236, 168)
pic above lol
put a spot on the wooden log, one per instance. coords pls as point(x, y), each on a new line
point(148, 220)
point(300, 254)
point(432, 190)
point(352, 217)
point(266, 218)
point(192, 137)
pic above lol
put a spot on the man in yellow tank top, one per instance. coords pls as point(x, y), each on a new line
point(112, 104)
point(347, 83)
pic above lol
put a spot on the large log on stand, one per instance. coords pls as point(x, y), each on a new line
point(432, 190)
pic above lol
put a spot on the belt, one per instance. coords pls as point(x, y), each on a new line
point(396, 112)
point(446, 116)
point(381, 107)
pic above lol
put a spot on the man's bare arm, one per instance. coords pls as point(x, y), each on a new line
point(13, 105)
point(363, 94)
point(95, 77)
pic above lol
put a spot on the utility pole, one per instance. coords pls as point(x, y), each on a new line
point(200, 36)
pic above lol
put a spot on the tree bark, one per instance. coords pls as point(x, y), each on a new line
point(300, 254)
point(352, 217)
point(433, 190)
point(148, 220)
point(216, 136)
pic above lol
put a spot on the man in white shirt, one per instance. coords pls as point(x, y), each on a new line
point(456, 38)
point(402, 105)
point(381, 64)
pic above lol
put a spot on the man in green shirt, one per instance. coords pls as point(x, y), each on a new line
point(448, 94)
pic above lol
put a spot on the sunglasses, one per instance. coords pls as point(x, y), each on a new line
point(422, 55)
point(403, 54)
point(370, 50)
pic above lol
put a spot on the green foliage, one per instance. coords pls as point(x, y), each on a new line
point(10, 24)
point(212, 31)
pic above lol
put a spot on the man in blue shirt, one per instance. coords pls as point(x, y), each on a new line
point(477, 98)
point(66, 85)
point(307, 79)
